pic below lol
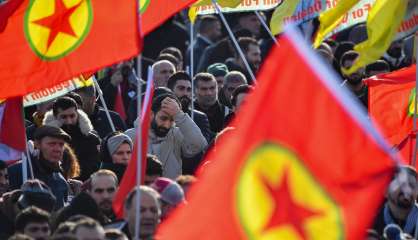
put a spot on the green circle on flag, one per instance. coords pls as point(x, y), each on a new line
point(55, 28)
point(143, 5)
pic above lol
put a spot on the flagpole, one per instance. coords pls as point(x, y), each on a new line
point(234, 40)
point(99, 91)
point(266, 27)
point(414, 157)
point(138, 133)
point(192, 66)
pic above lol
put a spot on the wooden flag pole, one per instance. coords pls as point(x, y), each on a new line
point(99, 91)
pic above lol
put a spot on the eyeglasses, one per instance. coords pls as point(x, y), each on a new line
point(37, 229)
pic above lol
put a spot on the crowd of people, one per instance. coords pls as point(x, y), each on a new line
point(77, 160)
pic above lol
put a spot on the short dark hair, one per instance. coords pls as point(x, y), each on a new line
point(86, 223)
point(169, 57)
point(181, 75)
point(63, 103)
point(245, 42)
point(76, 98)
point(30, 214)
point(245, 88)
point(156, 102)
point(173, 51)
point(342, 48)
point(379, 65)
point(206, 23)
point(203, 77)
point(154, 166)
point(3, 165)
point(89, 91)
point(348, 56)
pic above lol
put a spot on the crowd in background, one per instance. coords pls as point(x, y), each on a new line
point(78, 161)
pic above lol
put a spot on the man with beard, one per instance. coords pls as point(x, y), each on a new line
point(400, 207)
point(173, 135)
point(4, 178)
point(181, 85)
point(252, 52)
point(103, 186)
point(84, 141)
point(33, 222)
point(396, 57)
point(207, 101)
point(149, 209)
point(354, 82)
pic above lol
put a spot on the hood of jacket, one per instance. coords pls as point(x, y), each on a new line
point(84, 122)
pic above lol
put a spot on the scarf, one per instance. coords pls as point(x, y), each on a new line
point(411, 220)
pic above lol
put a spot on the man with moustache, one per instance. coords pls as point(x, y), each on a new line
point(181, 85)
point(207, 101)
point(400, 207)
point(103, 187)
point(354, 82)
point(173, 135)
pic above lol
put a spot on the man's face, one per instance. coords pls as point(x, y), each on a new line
point(4, 181)
point(38, 231)
point(356, 77)
point(68, 116)
point(123, 154)
point(220, 82)
point(162, 123)
point(51, 148)
point(162, 72)
point(216, 32)
point(251, 23)
point(403, 190)
point(183, 91)
point(150, 216)
point(207, 93)
point(103, 189)
point(240, 99)
point(253, 56)
point(230, 87)
point(89, 103)
point(84, 233)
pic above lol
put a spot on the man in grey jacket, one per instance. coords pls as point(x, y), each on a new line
point(173, 135)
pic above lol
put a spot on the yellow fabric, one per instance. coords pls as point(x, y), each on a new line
point(382, 23)
point(331, 18)
point(222, 3)
point(286, 9)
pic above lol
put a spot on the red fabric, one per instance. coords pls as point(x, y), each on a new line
point(390, 96)
point(108, 40)
point(129, 178)
point(343, 159)
point(159, 11)
point(119, 107)
point(12, 131)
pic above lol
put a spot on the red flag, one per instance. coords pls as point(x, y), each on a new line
point(119, 107)
point(129, 178)
point(12, 129)
point(391, 106)
point(155, 12)
point(298, 166)
point(47, 42)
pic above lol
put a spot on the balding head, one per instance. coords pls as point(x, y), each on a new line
point(162, 71)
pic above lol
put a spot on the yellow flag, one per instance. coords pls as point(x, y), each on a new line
point(331, 18)
point(222, 3)
point(286, 9)
point(382, 23)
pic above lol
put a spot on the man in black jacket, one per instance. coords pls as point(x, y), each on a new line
point(97, 114)
point(84, 140)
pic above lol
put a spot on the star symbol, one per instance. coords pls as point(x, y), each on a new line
point(59, 21)
point(286, 211)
